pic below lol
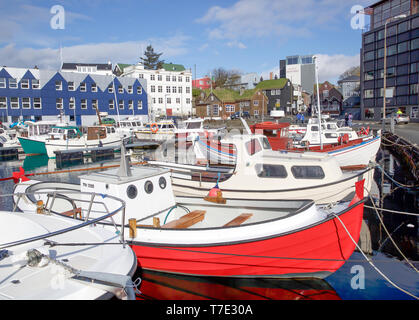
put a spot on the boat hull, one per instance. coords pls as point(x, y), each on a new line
point(316, 251)
point(31, 146)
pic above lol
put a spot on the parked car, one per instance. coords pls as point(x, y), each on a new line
point(398, 118)
point(236, 115)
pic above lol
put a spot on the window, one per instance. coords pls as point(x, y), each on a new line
point(141, 76)
point(187, 79)
point(180, 89)
point(215, 110)
point(403, 47)
point(24, 83)
point(179, 78)
point(130, 89)
point(255, 103)
point(167, 78)
point(413, 89)
point(26, 103)
point(174, 89)
point(2, 82)
point(369, 75)
point(230, 108)
point(59, 103)
point(253, 146)
point(160, 77)
point(160, 100)
point(402, 27)
point(380, 53)
point(94, 104)
point(139, 104)
point(14, 103)
point(153, 88)
point(307, 172)
point(188, 89)
point(256, 112)
point(369, 56)
point(37, 103)
point(414, 44)
point(12, 83)
point(368, 39)
point(70, 86)
point(174, 78)
point(270, 171)
point(391, 50)
point(121, 104)
point(130, 104)
point(111, 105)
point(273, 92)
point(120, 89)
point(83, 103)
point(35, 84)
point(188, 100)
point(391, 72)
point(3, 102)
point(152, 77)
point(140, 90)
point(177, 100)
point(169, 100)
point(110, 88)
point(83, 87)
point(58, 85)
point(414, 67)
point(160, 89)
point(168, 89)
point(72, 103)
point(94, 87)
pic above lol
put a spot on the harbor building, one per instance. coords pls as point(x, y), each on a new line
point(300, 69)
point(169, 89)
point(44, 94)
point(396, 24)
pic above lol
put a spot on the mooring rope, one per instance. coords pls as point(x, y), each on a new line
point(371, 263)
point(401, 185)
point(394, 211)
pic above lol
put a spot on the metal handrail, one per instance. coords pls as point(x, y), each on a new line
point(79, 226)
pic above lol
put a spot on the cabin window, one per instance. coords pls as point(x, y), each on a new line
point(330, 135)
point(132, 191)
point(271, 171)
point(253, 146)
point(307, 172)
point(266, 144)
point(162, 182)
point(148, 187)
point(314, 128)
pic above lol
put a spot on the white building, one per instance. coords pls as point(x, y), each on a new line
point(301, 71)
point(169, 89)
point(104, 69)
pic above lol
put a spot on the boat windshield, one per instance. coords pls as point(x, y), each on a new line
point(253, 146)
point(265, 143)
point(193, 125)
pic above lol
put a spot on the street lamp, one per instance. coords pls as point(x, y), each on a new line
point(385, 64)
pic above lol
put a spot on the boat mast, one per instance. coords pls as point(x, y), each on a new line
point(318, 102)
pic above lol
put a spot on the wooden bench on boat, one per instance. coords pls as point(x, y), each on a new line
point(238, 220)
point(73, 213)
point(186, 221)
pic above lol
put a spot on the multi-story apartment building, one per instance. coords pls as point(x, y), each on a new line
point(169, 89)
point(44, 94)
point(104, 69)
point(396, 23)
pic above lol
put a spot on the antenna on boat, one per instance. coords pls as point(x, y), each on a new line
point(124, 167)
point(246, 126)
point(318, 102)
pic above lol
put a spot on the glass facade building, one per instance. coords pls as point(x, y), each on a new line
point(401, 35)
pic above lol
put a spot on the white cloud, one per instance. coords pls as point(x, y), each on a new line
point(236, 44)
point(116, 52)
point(249, 18)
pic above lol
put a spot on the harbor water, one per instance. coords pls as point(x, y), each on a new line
point(386, 275)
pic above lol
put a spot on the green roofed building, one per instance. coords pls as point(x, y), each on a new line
point(279, 93)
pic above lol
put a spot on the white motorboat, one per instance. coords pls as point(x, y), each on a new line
point(157, 131)
point(128, 126)
point(233, 238)
point(71, 138)
point(53, 257)
point(195, 128)
point(255, 171)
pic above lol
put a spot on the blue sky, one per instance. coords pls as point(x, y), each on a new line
point(244, 35)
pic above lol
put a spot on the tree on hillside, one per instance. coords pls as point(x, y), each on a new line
point(353, 71)
point(151, 60)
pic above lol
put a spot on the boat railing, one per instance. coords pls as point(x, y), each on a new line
point(67, 195)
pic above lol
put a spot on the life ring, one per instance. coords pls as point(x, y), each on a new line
point(154, 127)
point(345, 138)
